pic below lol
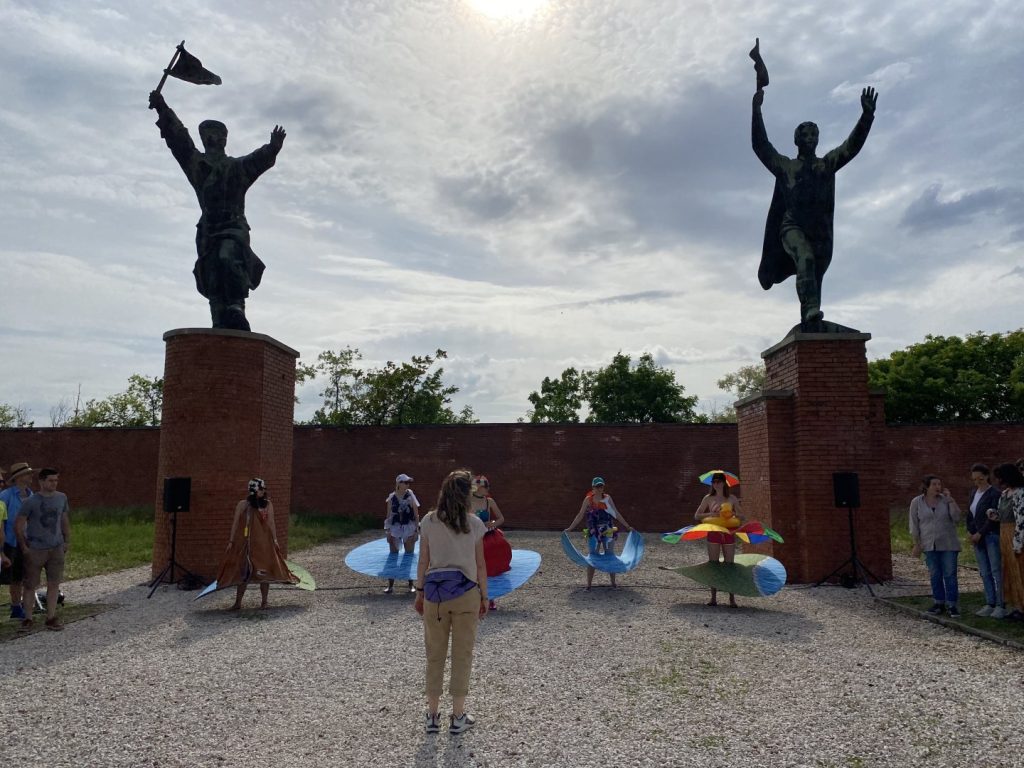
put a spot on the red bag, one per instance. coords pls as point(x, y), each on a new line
point(497, 553)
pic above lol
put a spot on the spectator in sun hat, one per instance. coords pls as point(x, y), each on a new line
point(19, 478)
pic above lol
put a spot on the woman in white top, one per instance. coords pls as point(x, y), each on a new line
point(451, 584)
point(401, 521)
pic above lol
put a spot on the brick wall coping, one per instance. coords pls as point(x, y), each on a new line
point(524, 425)
point(764, 394)
point(229, 332)
point(792, 338)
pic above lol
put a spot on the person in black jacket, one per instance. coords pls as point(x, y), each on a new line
point(984, 535)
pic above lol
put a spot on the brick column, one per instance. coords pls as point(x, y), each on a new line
point(228, 415)
point(815, 417)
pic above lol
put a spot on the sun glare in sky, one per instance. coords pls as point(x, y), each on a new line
point(513, 10)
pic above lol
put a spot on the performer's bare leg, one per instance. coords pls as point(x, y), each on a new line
point(239, 594)
point(264, 593)
point(729, 555)
point(714, 553)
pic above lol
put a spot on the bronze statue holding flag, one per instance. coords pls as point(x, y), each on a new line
point(798, 232)
point(226, 268)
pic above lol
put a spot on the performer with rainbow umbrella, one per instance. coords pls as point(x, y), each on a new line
point(719, 522)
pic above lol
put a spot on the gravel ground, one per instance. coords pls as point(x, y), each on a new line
point(645, 675)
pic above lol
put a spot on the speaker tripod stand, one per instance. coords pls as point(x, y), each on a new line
point(168, 570)
point(860, 571)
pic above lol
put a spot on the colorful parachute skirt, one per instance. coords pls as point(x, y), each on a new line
point(749, 533)
point(750, 575)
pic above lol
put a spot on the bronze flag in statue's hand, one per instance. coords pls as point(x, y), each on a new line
point(190, 69)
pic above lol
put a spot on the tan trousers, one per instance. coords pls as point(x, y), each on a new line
point(457, 618)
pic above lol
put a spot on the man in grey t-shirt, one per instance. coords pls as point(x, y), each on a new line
point(44, 533)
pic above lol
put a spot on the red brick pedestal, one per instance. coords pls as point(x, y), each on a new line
point(815, 417)
point(228, 414)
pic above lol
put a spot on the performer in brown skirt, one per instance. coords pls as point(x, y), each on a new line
point(253, 554)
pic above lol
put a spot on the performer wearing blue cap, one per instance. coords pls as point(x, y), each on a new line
point(601, 529)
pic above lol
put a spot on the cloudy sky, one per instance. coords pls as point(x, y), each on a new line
point(528, 185)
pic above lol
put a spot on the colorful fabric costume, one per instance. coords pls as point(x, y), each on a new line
point(750, 575)
point(255, 556)
point(608, 562)
point(601, 530)
point(401, 520)
point(749, 533)
point(375, 559)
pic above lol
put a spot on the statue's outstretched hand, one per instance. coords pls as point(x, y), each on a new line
point(868, 99)
point(156, 100)
point(277, 137)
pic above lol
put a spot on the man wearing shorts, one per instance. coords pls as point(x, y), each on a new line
point(17, 491)
point(44, 532)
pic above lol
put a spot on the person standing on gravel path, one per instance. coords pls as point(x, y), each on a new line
point(19, 478)
point(451, 595)
point(43, 530)
point(933, 518)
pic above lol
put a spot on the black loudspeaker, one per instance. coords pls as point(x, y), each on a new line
point(177, 492)
point(846, 488)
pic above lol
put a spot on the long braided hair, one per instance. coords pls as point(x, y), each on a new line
point(453, 500)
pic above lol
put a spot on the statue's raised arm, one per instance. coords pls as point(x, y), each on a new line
point(848, 150)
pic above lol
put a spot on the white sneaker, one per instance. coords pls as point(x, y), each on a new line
point(985, 610)
point(460, 724)
point(433, 723)
point(999, 613)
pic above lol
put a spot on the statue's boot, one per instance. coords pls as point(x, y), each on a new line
point(810, 302)
point(234, 318)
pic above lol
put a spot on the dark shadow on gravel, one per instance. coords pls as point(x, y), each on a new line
point(445, 750)
point(749, 620)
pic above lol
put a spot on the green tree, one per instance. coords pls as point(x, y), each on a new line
point(643, 393)
point(744, 381)
point(140, 405)
point(977, 378)
point(394, 394)
point(559, 400)
point(622, 391)
point(12, 416)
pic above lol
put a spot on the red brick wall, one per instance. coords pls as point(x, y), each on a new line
point(336, 474)
point(912, 451)
point(539, 473)
point(110, 467)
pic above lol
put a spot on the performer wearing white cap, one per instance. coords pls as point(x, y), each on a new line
point(401, 521)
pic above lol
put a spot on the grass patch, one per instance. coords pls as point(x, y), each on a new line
point(899, 534)
point(69, 612)
point(305, 531)
point(969, 603)
point(110, 539)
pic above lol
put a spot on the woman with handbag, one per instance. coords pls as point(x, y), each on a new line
point(451, 596)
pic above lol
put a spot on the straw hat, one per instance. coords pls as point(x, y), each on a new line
point(17, 470)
